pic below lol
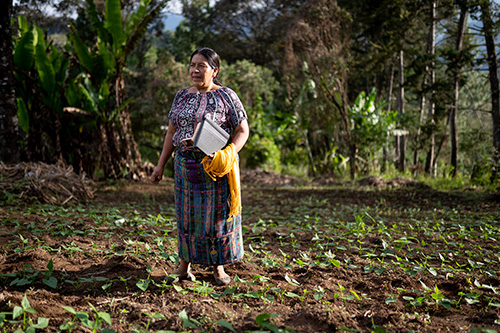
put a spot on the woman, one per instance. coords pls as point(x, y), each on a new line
point(207, 233)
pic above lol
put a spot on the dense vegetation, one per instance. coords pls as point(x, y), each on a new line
point(340, 88)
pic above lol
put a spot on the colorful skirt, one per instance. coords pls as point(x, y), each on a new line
point(205, 233)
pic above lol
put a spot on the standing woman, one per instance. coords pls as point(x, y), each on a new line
point(207, 210)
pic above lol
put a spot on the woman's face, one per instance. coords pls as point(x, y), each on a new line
point(201, 73)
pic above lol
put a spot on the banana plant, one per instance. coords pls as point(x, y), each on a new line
point(40, 70)
point(371, 124)
point(101, 83)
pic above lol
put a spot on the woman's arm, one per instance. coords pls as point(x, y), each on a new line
point(241, 134)
point(168, 148)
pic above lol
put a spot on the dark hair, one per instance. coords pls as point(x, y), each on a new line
point(212, 58)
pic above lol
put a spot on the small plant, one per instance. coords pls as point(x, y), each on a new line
point(23, 311)
point(264, 321)
point(48, 279)
point(144, 283)
point(189, 322)
point(85, 320)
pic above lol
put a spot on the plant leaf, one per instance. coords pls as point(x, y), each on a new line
point(24, 53)
point(44, 67)
point(17, 312)
point(69, 309)
point(105, 316)
point(227, 325)
point(51, 282)
point(186, 321)
point(143, 284)
point(114, 24)
point(42, 323)
point(25, 303)
point(22, 115)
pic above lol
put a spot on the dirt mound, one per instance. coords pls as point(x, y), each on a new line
point(54, 184)
point(397, 182)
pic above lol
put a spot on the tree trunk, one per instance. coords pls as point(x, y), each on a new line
point(422, 102)
point(494, 84)
point(9, 128)
point(454, 108)
point(129, 145)
point(389, 106)
point(430, 163)
point(401, 110)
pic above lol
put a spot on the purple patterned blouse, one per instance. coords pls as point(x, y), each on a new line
point(188, 109)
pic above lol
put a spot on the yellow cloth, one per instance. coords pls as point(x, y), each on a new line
point(224, 162)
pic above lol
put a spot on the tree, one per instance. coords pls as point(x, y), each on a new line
point(401, 109)
point(103, 85)
point(9, 133)
point(430, 162)
point(456, 84)
point(40, 71)
point(317, 43)
point(489, 37)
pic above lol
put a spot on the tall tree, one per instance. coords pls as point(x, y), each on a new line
point(456, 84)
point(317, 42)
point(430, 162)
point(401, 110)
point(9, 132)
point(489, 37)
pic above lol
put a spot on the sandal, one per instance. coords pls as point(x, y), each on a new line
point(222, 281)
point(174, 278)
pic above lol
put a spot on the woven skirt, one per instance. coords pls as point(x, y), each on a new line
point(205, 233)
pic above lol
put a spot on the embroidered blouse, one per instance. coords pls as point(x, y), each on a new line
point(188, 109)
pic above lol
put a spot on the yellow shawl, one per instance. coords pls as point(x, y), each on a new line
point(224, 162)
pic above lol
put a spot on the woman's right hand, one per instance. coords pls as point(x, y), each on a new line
point(157, 175)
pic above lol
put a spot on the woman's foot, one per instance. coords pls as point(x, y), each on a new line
point(221, 278)
point(183, 272)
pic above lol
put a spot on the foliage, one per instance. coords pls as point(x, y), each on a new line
point(86, 103)
point(102, 86)
point(372, 126)
point(41, 72)
point(321, 62)
point(256, 88)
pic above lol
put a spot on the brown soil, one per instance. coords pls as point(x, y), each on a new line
point(116, 237)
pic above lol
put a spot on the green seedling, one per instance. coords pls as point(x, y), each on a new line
point(264, 321)
point(48, 279)
point(125, 280)
point(144, 283)
point(189, 322)
point(153, 317)
point(27, 324)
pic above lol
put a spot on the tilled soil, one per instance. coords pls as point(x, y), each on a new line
point(113, 254)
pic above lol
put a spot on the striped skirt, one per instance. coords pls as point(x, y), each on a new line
point(204, 233)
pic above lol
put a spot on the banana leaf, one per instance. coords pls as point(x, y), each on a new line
point(139, 29)
point(96, 23)
point(89, 100)
point(24, 53)
point(72, 95)
point(114, 25)
point(45, 69)
point(22, 115)
point(136, 17)
point(23, 24)
point(81, 50)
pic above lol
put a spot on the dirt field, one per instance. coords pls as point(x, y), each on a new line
point(401, 258)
